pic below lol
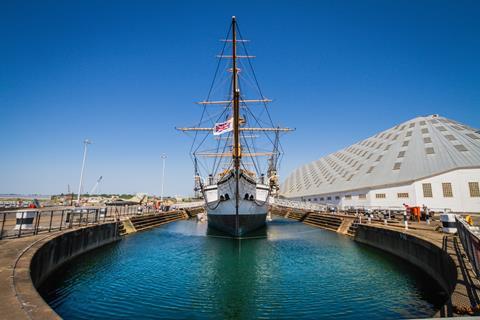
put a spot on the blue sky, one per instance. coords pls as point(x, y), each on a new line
point(125, 73)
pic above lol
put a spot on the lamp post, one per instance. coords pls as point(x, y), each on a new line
point(86, 142)
point(164, 156)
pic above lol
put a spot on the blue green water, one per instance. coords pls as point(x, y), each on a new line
point(291, 270)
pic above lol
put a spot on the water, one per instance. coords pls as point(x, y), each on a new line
point(290, 271)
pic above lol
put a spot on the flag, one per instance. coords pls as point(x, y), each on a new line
point(223, 127)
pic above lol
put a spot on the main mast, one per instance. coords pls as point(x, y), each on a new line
point(236, 123)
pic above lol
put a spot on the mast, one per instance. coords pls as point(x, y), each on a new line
point(236, 123)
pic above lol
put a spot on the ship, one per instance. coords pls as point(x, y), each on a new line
point(236, 147)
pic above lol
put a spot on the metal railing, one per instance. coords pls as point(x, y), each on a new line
point(470, 238)
point(27, 222)
point(186, 205)
point(306, 205)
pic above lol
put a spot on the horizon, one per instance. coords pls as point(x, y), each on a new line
point(124, 74)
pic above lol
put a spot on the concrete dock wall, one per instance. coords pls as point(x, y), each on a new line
point(66, 246)
point(431, 258)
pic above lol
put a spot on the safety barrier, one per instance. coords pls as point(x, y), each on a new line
point(470, 238)
point(306, 205)
point(26, 222)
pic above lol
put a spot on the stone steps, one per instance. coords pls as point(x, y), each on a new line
point(155, 220)
point(148, 221)
point(296, 215)
point(323, 221)
point(352, 230)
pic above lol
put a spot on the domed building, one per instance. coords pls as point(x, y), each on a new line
point(429, 160)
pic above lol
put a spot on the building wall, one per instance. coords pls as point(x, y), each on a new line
point(460, 202)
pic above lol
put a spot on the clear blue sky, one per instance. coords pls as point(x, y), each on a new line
point(125, 73)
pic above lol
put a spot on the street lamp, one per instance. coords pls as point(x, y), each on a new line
point(86, 142)
point(164, 156)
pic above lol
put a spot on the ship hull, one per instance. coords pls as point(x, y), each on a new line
point(251, 216)
point(252, 206)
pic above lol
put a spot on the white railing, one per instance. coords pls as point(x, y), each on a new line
point(306, 205)
point(186, 205)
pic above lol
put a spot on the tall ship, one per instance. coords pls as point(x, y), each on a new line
point(236, 147)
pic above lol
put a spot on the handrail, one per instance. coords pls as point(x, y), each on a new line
point(32, 221)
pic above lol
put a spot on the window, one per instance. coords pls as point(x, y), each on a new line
point(402, 195)
point(348, 197)
point(460, 147)
point(427, 140)
point(471, 135)
point(397, 166)
point(450, 137)
point(412, 125)
point(370, 170)
point(362, 196)
point(422, 123)
point(409, 134)
point(427, 190)
point(401, 154)
point(380, 195)
point(322, 199)
point(395, 138)
point(387, 147)
point(441, 128)
point(379, 158)
point(474, 189)
point(429, 150)
point(329, 198)
point(337, 198)
point(405, 144)
point(424, 130)
point(315, 199)
point(447, 190)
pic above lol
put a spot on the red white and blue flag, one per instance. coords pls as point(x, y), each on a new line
point(223, 127)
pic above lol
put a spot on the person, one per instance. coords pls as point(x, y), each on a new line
point(427, 214)
point(405, 220)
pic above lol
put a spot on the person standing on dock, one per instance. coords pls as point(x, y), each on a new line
point(405, 219)
point(427, 214)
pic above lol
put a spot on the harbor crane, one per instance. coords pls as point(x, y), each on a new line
point(96, 185)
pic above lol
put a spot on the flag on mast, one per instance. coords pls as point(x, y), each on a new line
point(223, 127)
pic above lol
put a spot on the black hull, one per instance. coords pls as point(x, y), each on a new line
point(247, 223)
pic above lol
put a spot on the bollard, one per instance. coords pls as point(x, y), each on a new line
point(405, 220)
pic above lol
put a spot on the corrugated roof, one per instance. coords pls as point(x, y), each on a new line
point(415, 149)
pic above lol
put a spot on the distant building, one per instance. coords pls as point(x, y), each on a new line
point(427, 160)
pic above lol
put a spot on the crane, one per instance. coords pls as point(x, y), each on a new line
point(96, 185)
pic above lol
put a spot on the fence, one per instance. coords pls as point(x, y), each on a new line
point(470, 238)
point(25, 222)
point(297, 204)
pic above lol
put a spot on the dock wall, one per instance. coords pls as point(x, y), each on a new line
point(435, 261)
point(66, 246)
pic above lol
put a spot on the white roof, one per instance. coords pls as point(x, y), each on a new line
point(418, 148)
